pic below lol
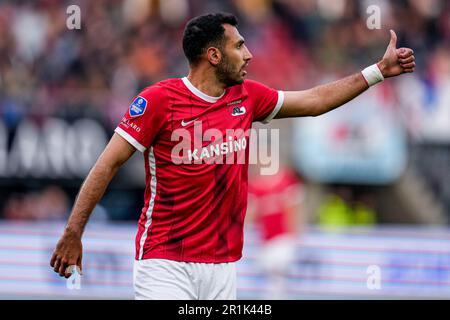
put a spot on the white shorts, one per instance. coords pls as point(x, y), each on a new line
point(160, 279)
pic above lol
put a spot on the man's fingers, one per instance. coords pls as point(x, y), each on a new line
point(409, 70)
point(53, 259)
point(69, 269)
point(57, 264)
point(407, 60)
point(393, 42)
point(404, 53)
point(409, 65)
point(62, 268)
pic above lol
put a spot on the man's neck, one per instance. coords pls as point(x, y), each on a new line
point(206, 81)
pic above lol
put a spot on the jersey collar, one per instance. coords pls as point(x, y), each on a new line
point(200, 94)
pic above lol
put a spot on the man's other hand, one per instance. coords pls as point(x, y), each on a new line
point(68, 252)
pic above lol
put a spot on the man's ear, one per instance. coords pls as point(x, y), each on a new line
point(214, 55)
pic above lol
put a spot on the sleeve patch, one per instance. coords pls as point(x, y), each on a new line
point(138, 107)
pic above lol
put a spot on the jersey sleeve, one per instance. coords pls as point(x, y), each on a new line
point(144, 118)
point(267, 101)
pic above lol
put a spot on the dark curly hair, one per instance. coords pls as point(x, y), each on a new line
point(204, 31)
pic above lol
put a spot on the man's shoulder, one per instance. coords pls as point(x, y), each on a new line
point(250, 82)
point(162, 88)
point(253, 85)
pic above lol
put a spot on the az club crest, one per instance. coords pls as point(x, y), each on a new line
point(238, 111)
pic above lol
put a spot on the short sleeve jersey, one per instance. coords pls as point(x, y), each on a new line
point(196, 151)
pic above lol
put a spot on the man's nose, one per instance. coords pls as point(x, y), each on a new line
point(248, 56)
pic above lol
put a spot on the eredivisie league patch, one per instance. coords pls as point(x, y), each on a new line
point(138, 107)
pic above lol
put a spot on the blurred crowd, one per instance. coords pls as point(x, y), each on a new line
point(47, 70)
point(125, 45)
point(51, 203)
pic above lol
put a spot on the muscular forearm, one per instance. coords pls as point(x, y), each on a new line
point(89, 195)
point(322, 99)
point(338, 93)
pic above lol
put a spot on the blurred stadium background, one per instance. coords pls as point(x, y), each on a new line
point(373, 177)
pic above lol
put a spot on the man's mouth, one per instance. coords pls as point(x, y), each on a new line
point(244, 72)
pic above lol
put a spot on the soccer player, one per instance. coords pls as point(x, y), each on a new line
point(275, 205)
point(190, 233)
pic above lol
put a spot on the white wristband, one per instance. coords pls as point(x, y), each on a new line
point(372, 75)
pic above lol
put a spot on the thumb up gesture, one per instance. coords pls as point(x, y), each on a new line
point(396, 61)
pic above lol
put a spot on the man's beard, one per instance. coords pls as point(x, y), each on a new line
point(226, 74)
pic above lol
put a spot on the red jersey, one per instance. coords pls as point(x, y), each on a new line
point(196, 195)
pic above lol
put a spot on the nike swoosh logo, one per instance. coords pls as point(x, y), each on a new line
point(184, 124)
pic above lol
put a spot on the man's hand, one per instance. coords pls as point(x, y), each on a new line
point(397, 61)
point(69, 251)
point(69, 248)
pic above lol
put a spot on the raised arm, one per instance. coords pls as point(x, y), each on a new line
point(69, 248)
point(324, 98)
